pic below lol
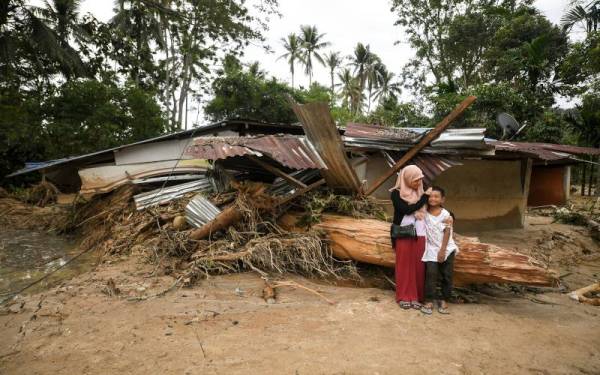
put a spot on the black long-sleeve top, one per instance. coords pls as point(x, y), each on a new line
point(401, 207)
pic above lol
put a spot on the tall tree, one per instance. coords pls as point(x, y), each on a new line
point(350, 91)
point(387, 88)
point(312, 42)
point(293, 52)
point(588, 15)
point(333, 60)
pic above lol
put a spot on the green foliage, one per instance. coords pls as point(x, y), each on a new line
point(240, 94)
point(81, 117)
point(392, 113)
point(87, 116)
point(550, 128)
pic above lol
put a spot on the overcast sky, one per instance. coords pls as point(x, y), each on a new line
point(345, 22)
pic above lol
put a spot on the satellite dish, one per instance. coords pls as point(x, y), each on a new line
point(510, 126)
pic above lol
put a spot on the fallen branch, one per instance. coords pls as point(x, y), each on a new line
point(297, 285)
point(580, 294)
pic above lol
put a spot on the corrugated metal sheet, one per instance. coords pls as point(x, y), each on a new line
point(283, 187)
point(247, 126)
point(200, 211)
point(166, 194)
point(432, 166)
point(320, 129)
point(544, 151)
point(291, 151)
point(385, 133)
point(383, 138)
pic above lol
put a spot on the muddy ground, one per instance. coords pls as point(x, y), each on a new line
point(222, 325)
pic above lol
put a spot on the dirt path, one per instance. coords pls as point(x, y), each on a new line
point(214, 329)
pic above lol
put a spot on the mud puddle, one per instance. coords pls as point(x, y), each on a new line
point(26, 256)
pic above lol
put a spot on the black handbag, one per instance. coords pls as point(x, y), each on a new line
point(403, 231)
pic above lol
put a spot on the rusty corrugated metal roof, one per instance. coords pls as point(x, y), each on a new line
point(432, 166)
point(291, 151)
point(544, 151)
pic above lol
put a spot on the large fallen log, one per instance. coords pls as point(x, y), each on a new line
point(368, 241)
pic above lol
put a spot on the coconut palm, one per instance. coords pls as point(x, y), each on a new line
point(293, 52)
point(255, 71)
point(37, 33)
point(387, 87)
point(588, 15)
point(361, 60)
point(311, 43)
point(350, 91)
point(333, 60)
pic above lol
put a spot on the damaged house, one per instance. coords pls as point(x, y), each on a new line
point(476, 172)
point(291, 160)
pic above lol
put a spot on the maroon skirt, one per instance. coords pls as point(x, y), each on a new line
point(410, 270)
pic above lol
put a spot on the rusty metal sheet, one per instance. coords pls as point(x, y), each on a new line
point(321, 131)
point(291, 151)
point(544, 151)
point(432, 166)
point(386, 133)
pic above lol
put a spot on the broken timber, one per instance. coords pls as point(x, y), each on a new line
point(368, 241)
point(232, 214)
point(428, 138)
point(321, 131)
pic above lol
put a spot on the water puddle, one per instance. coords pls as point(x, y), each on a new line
point(26, 256)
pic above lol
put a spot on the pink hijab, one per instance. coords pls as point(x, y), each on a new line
point(408, 194)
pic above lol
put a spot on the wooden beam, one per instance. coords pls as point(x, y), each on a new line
point(301, 192)
point(429, 137)
point(277, 172)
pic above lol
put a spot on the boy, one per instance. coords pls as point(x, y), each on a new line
point(439, 252)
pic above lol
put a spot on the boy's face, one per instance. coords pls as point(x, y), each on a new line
point(435, 199)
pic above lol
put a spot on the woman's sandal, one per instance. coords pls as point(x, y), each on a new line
point(405, 305)
point(416, 305)
point(427, 310)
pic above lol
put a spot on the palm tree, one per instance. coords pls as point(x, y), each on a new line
point(387, 88)
point(333, 60)
point(311, 43)
point(589, 15)
point(293, 53)
point(350, 90)
point(64, 16)
point(36, 33)
point(255, 71)
point(360, 60)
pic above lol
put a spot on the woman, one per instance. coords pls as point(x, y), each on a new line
point(409, 208)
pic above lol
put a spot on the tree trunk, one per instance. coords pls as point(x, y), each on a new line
point(368, 241)
point(583, 170)
point(591, 180)
point(597, 193)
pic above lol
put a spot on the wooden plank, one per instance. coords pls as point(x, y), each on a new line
point(277, 172)
point(429, 137)
point(321, 131)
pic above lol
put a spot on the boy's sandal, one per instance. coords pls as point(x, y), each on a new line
point(443, 310)
point(405, 305)
point(426, 310)
point(416, 305)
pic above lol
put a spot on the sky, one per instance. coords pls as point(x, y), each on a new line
point(344, 22)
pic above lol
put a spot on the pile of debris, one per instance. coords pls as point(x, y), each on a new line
point(271, 203)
